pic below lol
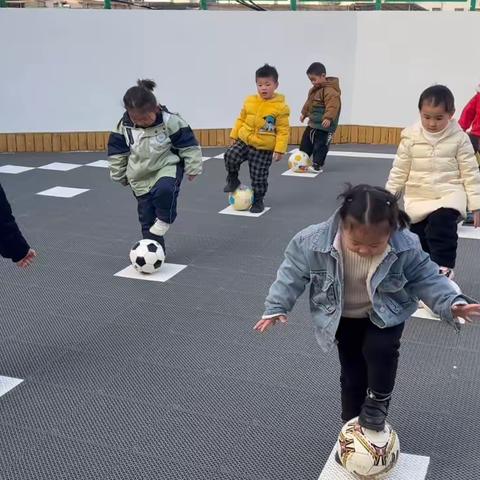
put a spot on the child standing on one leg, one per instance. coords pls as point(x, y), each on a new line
point(261, 135)
point(322, 109)
point(150, 150)
point(366, 273)
point(436, 169)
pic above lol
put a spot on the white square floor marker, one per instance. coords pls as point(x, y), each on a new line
point(289, 173)
point(99, 164)
point(424, 313)
point(219, 156)
point(409, 467)
point(165, 273)
point(7, 383)
point(340, 153)
point(468, 231)
point(14, 169)
point(60, 166)
point(63, 192)
point(204, 159)
point(242, 213)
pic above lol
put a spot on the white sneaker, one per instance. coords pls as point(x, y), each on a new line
point(159, 228)
point(448, 272)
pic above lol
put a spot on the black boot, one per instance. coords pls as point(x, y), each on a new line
point(232, 183)
point(257, 206)
point(374, 411)
point(337, 459)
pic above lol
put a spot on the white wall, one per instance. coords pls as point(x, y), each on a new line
point(399, 54)
point(67, 70)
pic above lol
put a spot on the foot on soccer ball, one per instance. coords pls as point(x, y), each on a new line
point(257, 206)
point(317, 168)
point(159, 228)
point(337, 459)
point(374, 411)
point(469, 219)
point(232, 184)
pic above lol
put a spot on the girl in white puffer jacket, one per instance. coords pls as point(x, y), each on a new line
point(436, 169)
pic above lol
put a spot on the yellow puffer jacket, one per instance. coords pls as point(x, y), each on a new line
point(434, 176)
point(263, 124)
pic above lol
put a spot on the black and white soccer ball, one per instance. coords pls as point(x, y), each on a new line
point(147, 256)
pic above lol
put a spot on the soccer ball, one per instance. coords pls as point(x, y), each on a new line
point(241, 198)
point(366, 453)
point(299, 162)
point(147, 256)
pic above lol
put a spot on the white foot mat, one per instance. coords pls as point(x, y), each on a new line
point(14, 169)
point(468, 231)
point(63, 192)
point(60, 166)
point(165, 273)
point(99, 164)
point(409, 467)
point(7, 383)
point(423, 313)
point(338, 153)
point(242, 213)
point(289, 173)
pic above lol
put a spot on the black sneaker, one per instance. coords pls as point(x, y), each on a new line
point(337, 459)
point(469, 219)
point(374, 412)
point(232, 184)
point(317, 168)
point(257, 206)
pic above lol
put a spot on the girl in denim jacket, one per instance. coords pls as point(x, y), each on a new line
point(367, 273)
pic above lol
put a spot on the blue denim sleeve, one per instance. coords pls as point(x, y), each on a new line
point(292, 277)
point(429, 285)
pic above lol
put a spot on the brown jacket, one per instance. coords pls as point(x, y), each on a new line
point(327, 97)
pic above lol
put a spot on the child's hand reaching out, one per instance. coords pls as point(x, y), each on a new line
point(466, 313)
point(266, 323)
point(277, 156)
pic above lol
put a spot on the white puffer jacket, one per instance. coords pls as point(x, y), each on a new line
point(434, 176)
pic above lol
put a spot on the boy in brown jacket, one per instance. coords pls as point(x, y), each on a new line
point(322, 109)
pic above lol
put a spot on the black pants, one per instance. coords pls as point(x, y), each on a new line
point(259, 162)
point(368, 359)
point(160, 202)
point(438, 236)
point(316, 143)
point(475, 142)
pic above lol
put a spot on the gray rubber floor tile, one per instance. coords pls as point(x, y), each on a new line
point(39, 407)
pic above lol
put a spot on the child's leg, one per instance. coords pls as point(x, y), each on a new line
point(441, 235)
point(259, 162)
point(164, 196)
point(380, 349)
point(353, 376)
point(147, 217)
point(419, 229)
point(235, 155)
point(306, 144)
point(321, 145)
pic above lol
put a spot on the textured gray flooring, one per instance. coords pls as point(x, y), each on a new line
point(138, 380)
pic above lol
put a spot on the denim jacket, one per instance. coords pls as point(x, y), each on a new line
point(405, 276)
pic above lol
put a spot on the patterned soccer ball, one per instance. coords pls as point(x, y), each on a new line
point(147, 256)
point(241, 198)
point(368, 454)
point(299, 162)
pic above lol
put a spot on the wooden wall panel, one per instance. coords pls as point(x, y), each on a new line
point(219, 137)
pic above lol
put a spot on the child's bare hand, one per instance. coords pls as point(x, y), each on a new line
point(192, 177)
point(469, 313)
point(302, 118)
point(266, 323)
point(277, 156)
point(27, 259)
point(326, 123)
point(476, 219)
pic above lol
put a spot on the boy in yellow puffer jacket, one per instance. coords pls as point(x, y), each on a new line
point(260, 134)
